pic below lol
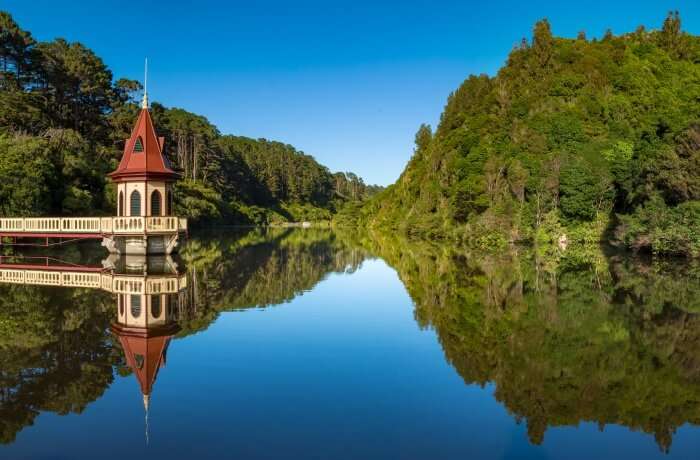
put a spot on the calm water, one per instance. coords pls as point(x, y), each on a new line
point(306, 344)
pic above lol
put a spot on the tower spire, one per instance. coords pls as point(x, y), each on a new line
point(146, 400)
point(144, 103)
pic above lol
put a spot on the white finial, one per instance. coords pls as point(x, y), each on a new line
point(146, 400)
point(144, 103)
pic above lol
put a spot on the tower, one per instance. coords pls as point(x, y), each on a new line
point(144, 178)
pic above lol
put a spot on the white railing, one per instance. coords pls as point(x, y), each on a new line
point(127, 225)
point(73, 279)
point(12, 224)
point(81, 224)
point(162, 285)
point(50, 278)
point(93, 225)
point(116, 284)
point(161, 224)
point(128, 285)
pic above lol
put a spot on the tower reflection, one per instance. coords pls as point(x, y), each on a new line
point(149, 304)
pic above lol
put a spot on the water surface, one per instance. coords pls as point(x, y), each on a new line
point(309, 344)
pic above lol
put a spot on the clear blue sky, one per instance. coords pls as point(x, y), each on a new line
point(347, 82)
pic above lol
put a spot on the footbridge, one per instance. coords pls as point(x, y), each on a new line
point(58, 230)
point(89, 227)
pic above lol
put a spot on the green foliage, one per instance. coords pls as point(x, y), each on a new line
point(25, 176)
point(663, 230)
point(583, 193)
point(571, 128)
point(197, 201)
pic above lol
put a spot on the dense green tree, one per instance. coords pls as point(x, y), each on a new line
point(17, 54)
point(26, 176)
point(77, 86)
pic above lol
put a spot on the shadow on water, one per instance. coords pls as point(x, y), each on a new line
point(589, 337)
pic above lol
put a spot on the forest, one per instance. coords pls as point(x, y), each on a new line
point(574, 141)
point(63, 122)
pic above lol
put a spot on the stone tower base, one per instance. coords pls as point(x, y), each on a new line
point(141, 245)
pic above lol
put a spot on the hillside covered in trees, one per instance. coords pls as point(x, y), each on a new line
point(63, 122)
point(574, 140)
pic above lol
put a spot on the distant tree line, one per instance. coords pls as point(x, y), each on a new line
point(63, 122)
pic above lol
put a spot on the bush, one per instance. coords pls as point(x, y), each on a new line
point(662, 230)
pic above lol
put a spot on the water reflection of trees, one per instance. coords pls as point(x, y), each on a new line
point(57, 353)
point(604, 340)
point(261, 268)
point(588, 337)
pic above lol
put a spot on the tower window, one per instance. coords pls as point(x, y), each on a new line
point(138, 146)
point(135, 306)
point(135, 203)
point(155, 306)
point(155, 203)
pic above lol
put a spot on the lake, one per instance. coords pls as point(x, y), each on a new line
point(304, 343)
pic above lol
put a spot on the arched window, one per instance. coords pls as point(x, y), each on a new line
point(135, 203)
point(121, 304)
point(121, 204)
point(135, 306)
point(155, 203)
point(138, 146)
point(155, 306)
point(139, 360)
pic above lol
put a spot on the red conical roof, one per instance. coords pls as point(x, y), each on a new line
point(143, 157)
point(145, 351)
